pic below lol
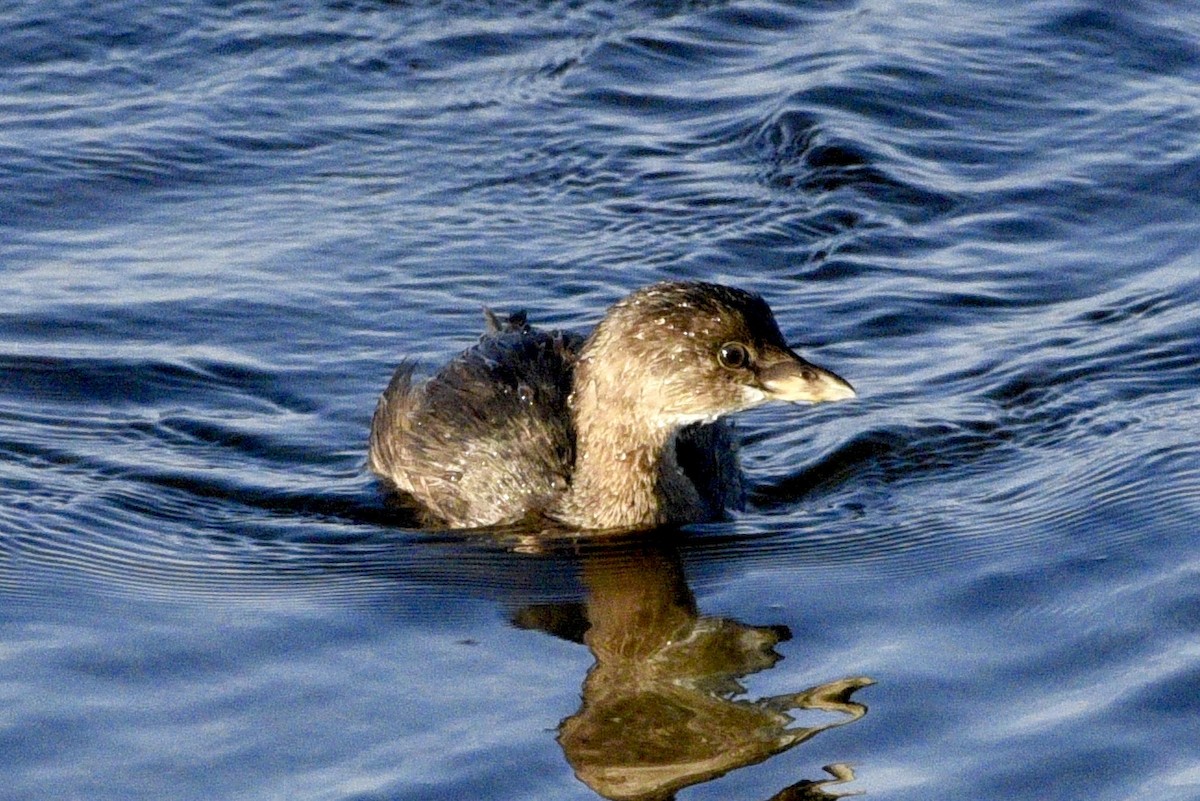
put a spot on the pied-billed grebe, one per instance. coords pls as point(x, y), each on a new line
point(618, 431)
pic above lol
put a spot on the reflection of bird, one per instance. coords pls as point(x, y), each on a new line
point(618, 431)
point(663, 705)
point(809, 790)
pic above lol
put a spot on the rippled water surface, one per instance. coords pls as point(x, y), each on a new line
point(223, 224)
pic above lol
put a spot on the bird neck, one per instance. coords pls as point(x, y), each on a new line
point(626, 473)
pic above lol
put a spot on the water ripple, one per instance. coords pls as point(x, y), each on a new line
point(224, 224)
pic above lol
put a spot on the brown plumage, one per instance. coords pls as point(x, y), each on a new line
point(618, 431)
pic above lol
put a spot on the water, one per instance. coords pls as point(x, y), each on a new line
point(222, 224)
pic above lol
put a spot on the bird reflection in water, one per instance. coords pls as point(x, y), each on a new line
point(661, 705)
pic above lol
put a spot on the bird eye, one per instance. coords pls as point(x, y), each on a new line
point(733, 356)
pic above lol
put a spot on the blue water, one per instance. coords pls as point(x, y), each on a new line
point(223, 224)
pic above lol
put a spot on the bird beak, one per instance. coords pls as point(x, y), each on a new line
point(795, 380)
